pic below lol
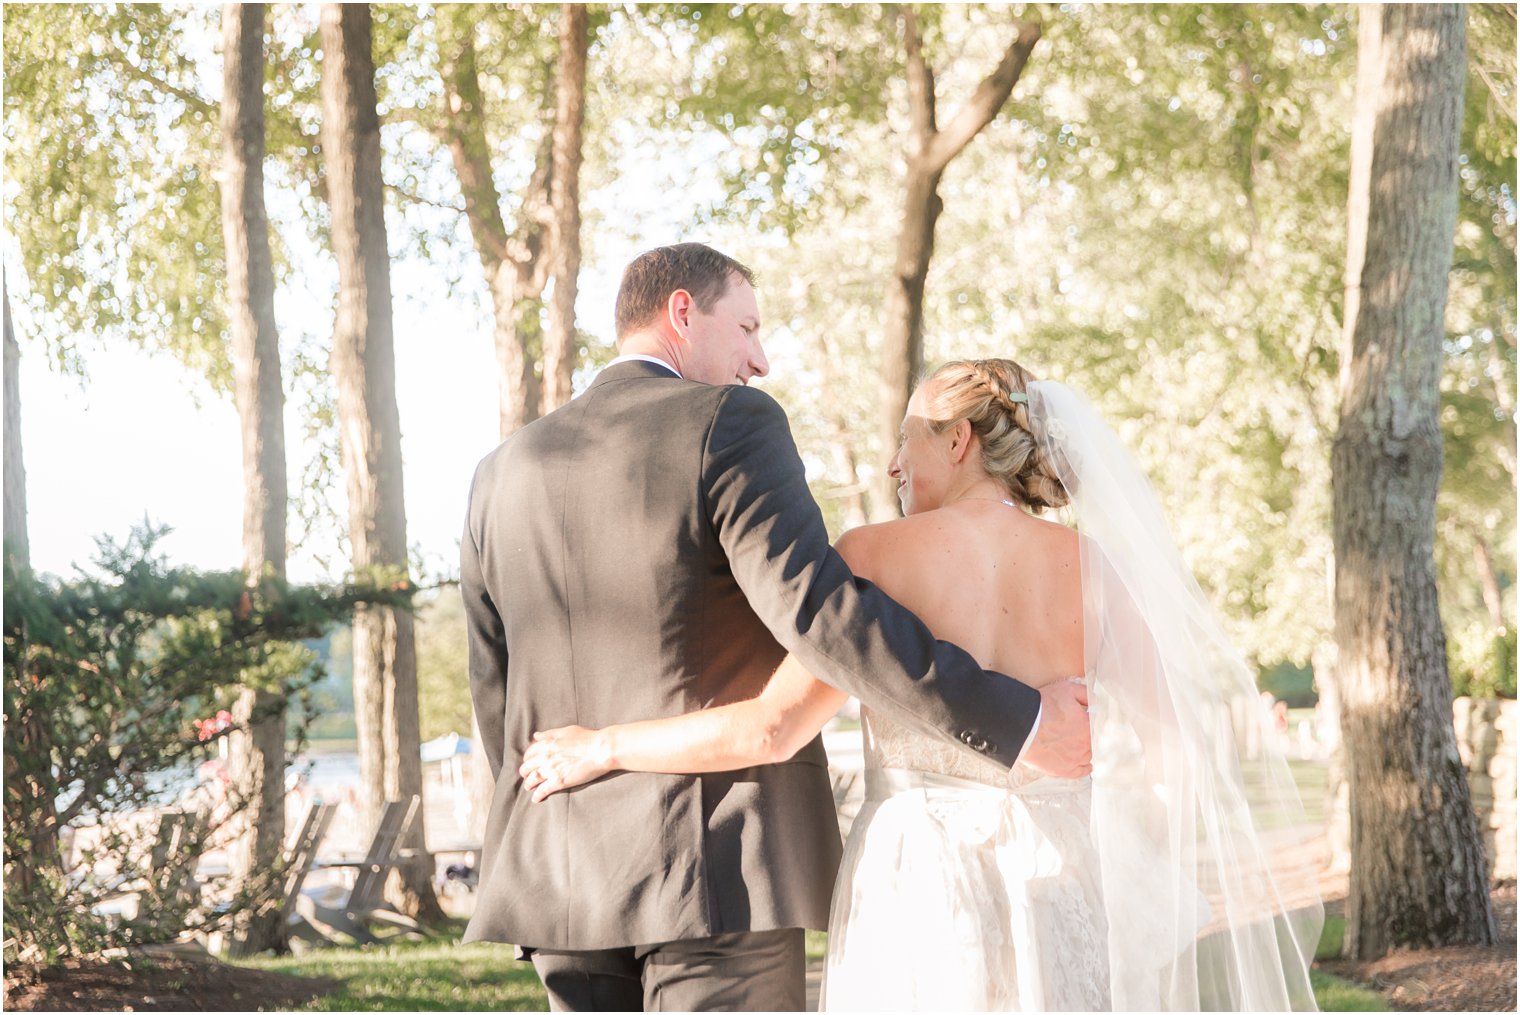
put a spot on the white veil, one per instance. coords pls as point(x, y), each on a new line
point(1207, 863)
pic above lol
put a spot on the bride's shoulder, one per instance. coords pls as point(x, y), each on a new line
point(867, 548)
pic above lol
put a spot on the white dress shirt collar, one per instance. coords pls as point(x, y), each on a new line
point(647, 359)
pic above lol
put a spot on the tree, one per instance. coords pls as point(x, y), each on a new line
point(124, 670)
point(16, 542)
point(1418, 875)
point(513, 259)
point(930, 150)
point(27, 797)
point(257, 756)
point(526, 241)
point(363, 364)
point(111, 152)
point(565, 205)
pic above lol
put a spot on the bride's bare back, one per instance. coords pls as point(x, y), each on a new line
point(1002, 584)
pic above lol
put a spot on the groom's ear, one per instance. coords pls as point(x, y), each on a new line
point(678, 308)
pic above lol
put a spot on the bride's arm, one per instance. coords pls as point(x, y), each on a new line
point(768, 728)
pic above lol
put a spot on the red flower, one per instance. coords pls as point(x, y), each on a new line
point(205, 729)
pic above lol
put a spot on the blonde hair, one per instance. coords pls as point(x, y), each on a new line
point(985, 393)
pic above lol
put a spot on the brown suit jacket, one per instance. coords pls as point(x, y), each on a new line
point(649, 549)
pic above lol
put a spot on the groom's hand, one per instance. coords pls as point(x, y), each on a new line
point(1062, 744)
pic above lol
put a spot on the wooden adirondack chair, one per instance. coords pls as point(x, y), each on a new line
point(302, 854)
point(167, 875)
point(353, 913)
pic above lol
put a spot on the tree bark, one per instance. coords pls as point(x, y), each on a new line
point(565, 232)
point(930, 151)
point(1488, 581)
point(29, 798)
point(17, 544)
point(364, 366)
point(514, 261)
point(257, 755)
point(842, 448)
point(1418, 874)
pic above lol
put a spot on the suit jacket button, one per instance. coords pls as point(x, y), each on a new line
point(979, 744)
point(966, 736)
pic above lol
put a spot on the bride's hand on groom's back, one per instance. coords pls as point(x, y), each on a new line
point(561, 758)
point(1062, 744)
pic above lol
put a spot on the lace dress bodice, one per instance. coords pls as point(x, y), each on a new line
point(889, 744)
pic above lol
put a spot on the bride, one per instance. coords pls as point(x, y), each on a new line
point(1175, 877)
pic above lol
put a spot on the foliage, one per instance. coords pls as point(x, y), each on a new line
point(1482, 662)
point(1158, 219)
point(122, 679)
point(1289, 683)
point(443, 673)
point(110, 159)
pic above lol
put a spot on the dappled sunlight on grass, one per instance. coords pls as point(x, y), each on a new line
point(437, 974)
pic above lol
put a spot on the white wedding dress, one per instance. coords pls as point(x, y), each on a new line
point(1178, 877)
point(964, 890)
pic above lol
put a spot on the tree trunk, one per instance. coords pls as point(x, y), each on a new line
point(1417, 875)
point(1338, 790)
point(842, 448)
point(1488, 581)
point(930, 151)
point(565, 233)
point(514, 263)
point(29, 788)
point(364, 366)
point(257, 756)
point(16, 542)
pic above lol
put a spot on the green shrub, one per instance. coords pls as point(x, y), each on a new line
point(118, 685)
point(1482, 663)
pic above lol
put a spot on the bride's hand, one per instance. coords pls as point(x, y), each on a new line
point(561, 758)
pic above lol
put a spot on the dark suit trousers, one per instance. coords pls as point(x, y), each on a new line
point(753, 971)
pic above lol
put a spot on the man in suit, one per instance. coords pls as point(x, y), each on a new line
point(649, 549)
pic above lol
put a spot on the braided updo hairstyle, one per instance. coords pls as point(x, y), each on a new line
point(978, 391)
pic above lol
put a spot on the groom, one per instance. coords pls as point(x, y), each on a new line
point(649, 549)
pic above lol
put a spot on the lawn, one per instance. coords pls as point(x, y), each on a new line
point(439, 974)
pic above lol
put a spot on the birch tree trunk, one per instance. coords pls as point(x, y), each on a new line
point(565, 234)
point(515, 264)
point(930, 150)
point(257, 756)
point(17, 544)
point(29, 798)
point(364, 366)
point(1417, 876)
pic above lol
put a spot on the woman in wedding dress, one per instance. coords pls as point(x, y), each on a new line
point(1175, 877)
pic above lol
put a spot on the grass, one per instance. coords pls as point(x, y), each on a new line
point(436, 974)
point(1332, 942)
point(439, 974)
point(1332, 992)
point(1335, 994)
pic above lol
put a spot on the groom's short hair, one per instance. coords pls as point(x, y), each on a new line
point(652, 276)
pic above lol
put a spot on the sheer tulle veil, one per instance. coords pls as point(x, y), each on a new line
point(1206, 860)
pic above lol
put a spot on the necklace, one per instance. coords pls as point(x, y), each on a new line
point(989, 500)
